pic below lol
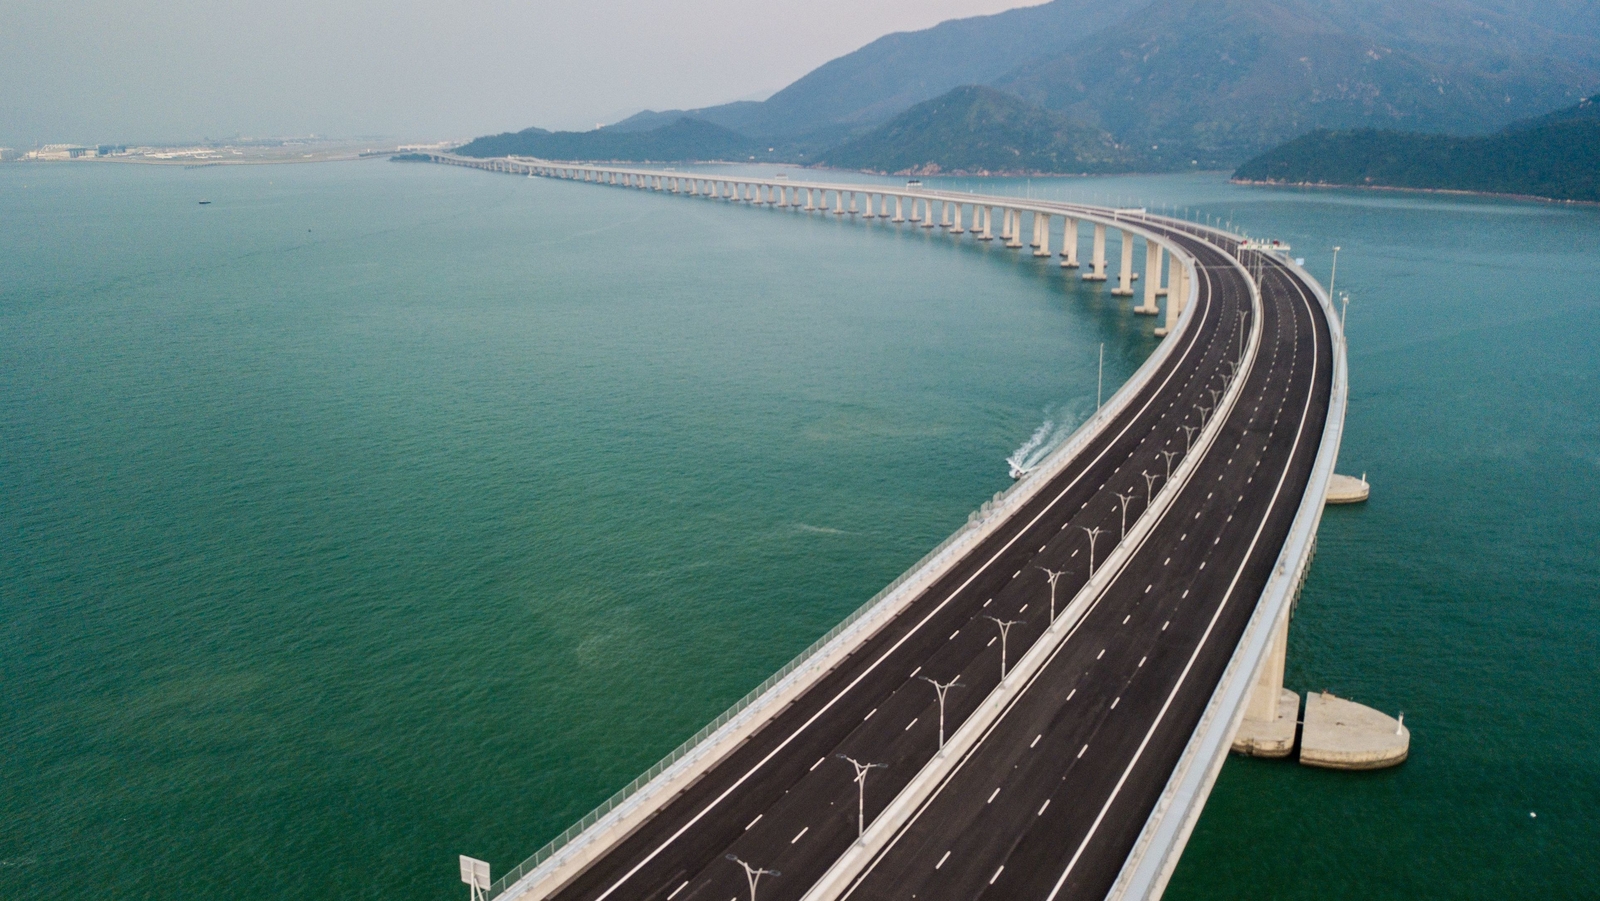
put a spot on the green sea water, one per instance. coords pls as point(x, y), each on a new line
point(373, 514)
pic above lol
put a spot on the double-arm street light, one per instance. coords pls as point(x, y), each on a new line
point(1149, 487)
point(753, 875)
point(1005, 629)
point(1053, 575)
point(1094, 534)
point(1169, 455)
point(1126, 499)
point(942, 688)
point(861, 790)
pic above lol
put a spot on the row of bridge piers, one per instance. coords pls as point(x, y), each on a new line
point(1161, 277)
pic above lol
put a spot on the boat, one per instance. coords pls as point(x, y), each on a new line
point(1018, 472)
point(913, 182)
point(204, 202)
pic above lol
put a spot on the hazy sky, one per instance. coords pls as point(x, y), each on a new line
point(137, 70)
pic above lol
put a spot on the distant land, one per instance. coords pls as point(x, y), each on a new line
point(1556, 157)
point(1175, 83)
point(976, 130)
point(681, 140)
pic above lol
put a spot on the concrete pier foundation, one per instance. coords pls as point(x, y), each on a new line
point(1014, 236)
point(1069, 243)
point(1153, 255)
point(1041, 231)
point(1097, 272)
point(957, 229)
point(1348, 489)
point(927, 215)
point(1124, 286)
point(1340, 734)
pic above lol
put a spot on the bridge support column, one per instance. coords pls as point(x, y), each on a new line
point(838, 203)
point(927, 215)
point(867, 212)
point(915, 217)
point(988, 222)
point(1098, 271)
point(1153, 255)
point(1016, 230)
point(957, 229)
point(899, 212)
point(1033, 240)
point(1069, 244)
point(944, 214)
point(1041, 231)
point(1124, 286)
point(1176, 291)
point(1271, 712)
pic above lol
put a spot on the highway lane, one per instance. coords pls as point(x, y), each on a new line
point(1050, 803)
point(782, 799)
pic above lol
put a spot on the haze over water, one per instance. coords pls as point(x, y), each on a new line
point(374, 514)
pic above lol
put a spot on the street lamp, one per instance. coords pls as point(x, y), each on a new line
point(1334, 275)
point(941, 688)
point(1053, 575)
point(1005, 628)
point(1149, 487)
point(1093, 534)
point(861, 790)
point(1188, 437)
point(753, 875)
point(1204, 412)
point(1125, 498)
point(1169, 455)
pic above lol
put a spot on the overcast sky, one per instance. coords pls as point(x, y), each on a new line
point(143, 70)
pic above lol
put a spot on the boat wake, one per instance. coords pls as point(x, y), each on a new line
point(1057, 428)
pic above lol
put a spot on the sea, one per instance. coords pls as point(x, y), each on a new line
point(370, 514)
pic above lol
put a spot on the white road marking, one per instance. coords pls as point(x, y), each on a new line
point(1042, 807)
point(798, 834)
point(756, 820)
point(1036, 739)
point(942, 860)
point(678, 889)
point(992, 794)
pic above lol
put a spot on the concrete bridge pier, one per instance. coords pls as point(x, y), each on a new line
point(1124, 286)
point(899, 212)
point(957, 229)
point(988, 221)
point(927, 215)
point(868, 214)
point(1014, 220)
point(1098, 272)
point(1069, 243)
point(915, 217)
point(1272, 712)
point(944, 214)
point(838, 203)
point(1041, 233)
point(1154, 254)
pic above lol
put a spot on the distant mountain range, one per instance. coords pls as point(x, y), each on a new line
point(1178, 82)
point(981, 131)
point(1556, 156)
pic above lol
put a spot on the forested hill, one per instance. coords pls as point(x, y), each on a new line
point(975, 130)
point(685, 139)
point(1555, 156)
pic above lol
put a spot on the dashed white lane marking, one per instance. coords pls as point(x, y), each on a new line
point(754, 821)
point(1071, 693)
point(953, 635)
point(910, 724)
point(1022, 608)
point(869, 715)
point(997, 874)
point(1184, 595)
point(1082, 749)
point(992, 795)
point(942, 860)
point(1042, 807)
point(1143, 659)
point(991, 642)
point(1115, 702)
point(1126, 618)
point(1101, 654)
point(798, 834)
point(914, 673)
point(988, 602)
point(678, 889)
point(1036, 739)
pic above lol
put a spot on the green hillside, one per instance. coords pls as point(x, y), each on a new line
point(1557, 158)
point(685, 139)
point(980, 131)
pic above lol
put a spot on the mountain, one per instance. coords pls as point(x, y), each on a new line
point(1224, 79)
point(1555, 157)
point(684, 139)
point(980, 131)
point(1200, 81)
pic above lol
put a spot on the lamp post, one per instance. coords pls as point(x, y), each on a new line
point(1204, 412)
point(1100, 382)
point(1169, 455)
point(1125, 498)
point(1188, 437)
point(1093, 534)
point(1053, 575)
point(1005, 629)
point(861, 790)
point(1149, 487)
point(941, 688)
point(753, 875)
point(1334, 275)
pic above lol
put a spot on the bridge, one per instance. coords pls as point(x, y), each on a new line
point(1039, 708)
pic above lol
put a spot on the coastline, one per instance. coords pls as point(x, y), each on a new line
point(1269, 183)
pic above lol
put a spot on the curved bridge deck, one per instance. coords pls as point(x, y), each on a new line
point(1080, 773)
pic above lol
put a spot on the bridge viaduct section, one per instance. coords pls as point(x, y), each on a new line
point(1048, 697)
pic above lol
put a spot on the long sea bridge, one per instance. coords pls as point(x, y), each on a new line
point(1039, 708)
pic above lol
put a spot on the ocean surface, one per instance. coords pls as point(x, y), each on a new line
point(373, 514)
